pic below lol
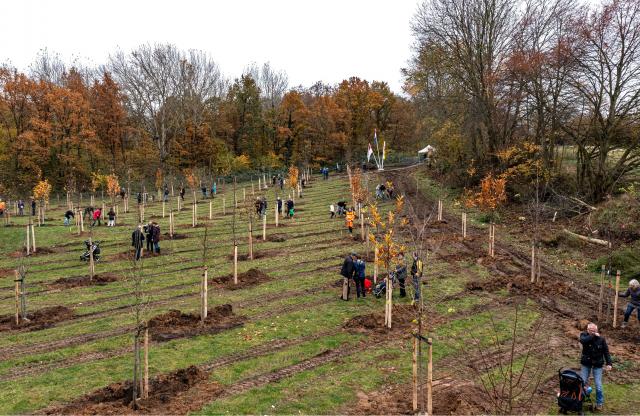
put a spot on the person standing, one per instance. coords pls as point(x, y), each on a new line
point(97, 214)
point(633, 293)
point(155, 237)
point(416, 274)
point(359, 276)
point(347, 272)
point(148, 231)
point(137, 241)
point(279, 202)
point(21, 207)
point(595, 354)
point(111, 215)
point(33, 207)
point(214, 189)
point(182, 192)
point(401, 274)
point(350, 217)
point(166, 193)
point(332, 210)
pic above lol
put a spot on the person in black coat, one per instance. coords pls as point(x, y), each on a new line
point(347, 271)
point(148, 231)
point(137, 241)
point(155, 237)
point(33, 207)
point(595, 354)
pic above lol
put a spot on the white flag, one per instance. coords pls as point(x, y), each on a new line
point(369, 153)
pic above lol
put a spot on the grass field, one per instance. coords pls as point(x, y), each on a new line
point(293, 352)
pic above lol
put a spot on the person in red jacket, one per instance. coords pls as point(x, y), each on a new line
point(97, 215)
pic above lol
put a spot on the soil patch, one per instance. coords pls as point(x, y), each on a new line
point(39, 251)
point(179, 392)
point(249, 278)
point(256, 255)
point(166, 236)
point(401, 318)
point(518, 284)
point(80, 281)
point(40, 319)
point(175, 324)
point(6, 273)
point(188, 225)
point(276, 238)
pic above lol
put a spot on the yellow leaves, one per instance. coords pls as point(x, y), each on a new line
point(359, 192)
point(113, 187)
point(42, 190)
point(98, 180)
point(191, 178)
point(159, 178)
point(399, 204)
point(293, 177)
point(492, 194)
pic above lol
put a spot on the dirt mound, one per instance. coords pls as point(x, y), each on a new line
point(256, 255)
point(176, 236)
point(518, 284)
point(276, 238)
point(79, 281)
point(179, 392)
point(40, 319)
point(6, 273)
point(39, 252)
point(249, 278)
point(401, 319)
point(175, 324)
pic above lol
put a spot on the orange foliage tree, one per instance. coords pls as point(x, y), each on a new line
point(491, 195)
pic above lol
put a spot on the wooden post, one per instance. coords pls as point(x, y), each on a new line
point(375, 265)
point(163, 204)
point(615, 300)
point(193, 215)
point(29, 237)
point(102, 213)
point(275, 207)
point(439, 210)
point(362, 226)
point(264, 181)
point(430, 378)
point(33, 238)
point(492, 237)
point(91, 263)
point(17, 299)
point(250, 240)
point(390, 292)
point(259, 184)
point(415, 374)
point(264, 227)
point(464, 225)
point(244, 194)
point(224, 206)
point(533, 263)
point(145, 389)
point(81, 221)
point(601, 295)
point(179, 204)
point(171, 223)
point(210, 210)
point(204, 295)
point(235, 264)
point(117, 214)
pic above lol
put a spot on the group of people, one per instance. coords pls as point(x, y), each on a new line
point(354, 268)
point(278, 179)
point(261, 206)
point(149, 233)
point(92, 214)
point(325, 172)
point(384, 191)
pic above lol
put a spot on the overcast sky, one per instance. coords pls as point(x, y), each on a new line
point(326, 40)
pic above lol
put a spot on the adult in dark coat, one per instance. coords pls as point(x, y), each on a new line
point(155, 237)
point(595, 354)
point(347, 271)
point(137, 241)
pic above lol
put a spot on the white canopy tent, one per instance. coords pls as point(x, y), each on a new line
point(428, 149)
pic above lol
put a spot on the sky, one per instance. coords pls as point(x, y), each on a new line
point(319, 40)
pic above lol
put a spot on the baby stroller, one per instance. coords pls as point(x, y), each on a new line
point(96, 251)
point(381, 288)
point(573, 393)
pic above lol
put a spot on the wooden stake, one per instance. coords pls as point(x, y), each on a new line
point(259, 185)
point(250, 240)
point(390, 292)
point(533, 263)
point(235, 264)
point(375, 265)
point(439, 210)
point(415, 375)
point(275, 207)
point(17, 299)
point(145, 388)
point(264, 227)
point(204, 295)
point(29, 237)
point(163, 204)
point(224, 206)
point(171, 223)
point(430, 378)
point(91, 263)
point(81, 220)
point(193, 215)
point(210, 210)
point(33, 238)
point(362, 226)
point(464, 225)
point(615, 300)
point(492, 236)
point(601, 295)
point(244, 194)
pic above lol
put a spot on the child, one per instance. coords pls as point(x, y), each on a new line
point(332, 210)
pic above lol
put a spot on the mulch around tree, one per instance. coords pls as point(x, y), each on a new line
point(249, 278)
point(40, 319)
point(176, 324)
point(81, 281)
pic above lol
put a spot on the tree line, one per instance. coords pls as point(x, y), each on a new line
point(162, 109)
point(507, 86)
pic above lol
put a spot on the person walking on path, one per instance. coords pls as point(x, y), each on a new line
point(137, 241)
point(595, 354)
point(155, 237)
point(111, 215)
point(97, 214)
point(401, 274)
point(182, 192)
point(166, 194)
point(350, 217)
point(633, 293)
point(33, 207)
point(416, 274)
point(332, 210)
point(348, 271)
point(21, 207)
point(359, 276)
point(67, 217)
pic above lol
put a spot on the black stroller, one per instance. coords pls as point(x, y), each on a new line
point(96, 251)
point(381, 288)
point(573, 393)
